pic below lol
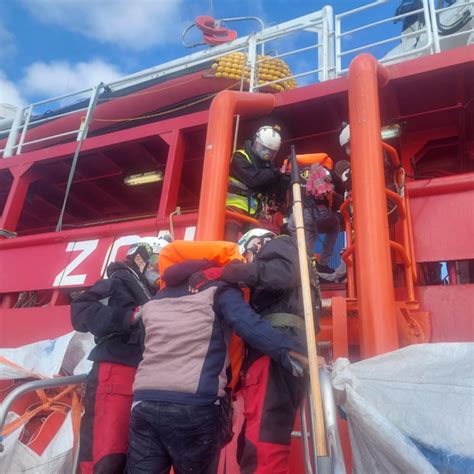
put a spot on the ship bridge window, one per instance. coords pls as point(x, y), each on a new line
point(98, 193)
point(191, 174)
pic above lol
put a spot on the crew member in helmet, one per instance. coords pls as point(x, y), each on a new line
point(272, 395)
point(109, 310)
point(389, 168)
point(252, 177)
point(157, 244)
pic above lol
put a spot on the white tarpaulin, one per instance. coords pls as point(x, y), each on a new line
point(55, 459)
point(410, 411)
point(68, 355)
point(47, 358)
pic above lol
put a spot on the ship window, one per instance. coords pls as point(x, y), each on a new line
point(98, 192)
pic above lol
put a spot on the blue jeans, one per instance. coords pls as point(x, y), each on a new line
point(165, 434)
point(318, 219)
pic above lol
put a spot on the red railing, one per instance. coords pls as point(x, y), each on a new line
point(405, 249)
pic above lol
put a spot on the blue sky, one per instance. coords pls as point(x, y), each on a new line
point(51, 47)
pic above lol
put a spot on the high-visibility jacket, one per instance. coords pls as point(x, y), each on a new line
point(239, 195)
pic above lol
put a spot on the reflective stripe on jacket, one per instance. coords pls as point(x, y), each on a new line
point(239, 195)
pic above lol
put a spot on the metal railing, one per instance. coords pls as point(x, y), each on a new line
point(334, 464)
point(325, 57)
point(25, 117)
point(319, 23)
point(437, 14)
point(405, 249)
point(31, 387)
point(321, 27)
point(426, 32)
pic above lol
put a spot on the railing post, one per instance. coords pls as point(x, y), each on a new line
point(13, 135)
point(434, 45)
point(330, 420)
point(308, 469)
point(29, 111)
point(429, 10)
point(328, 42)
point(252, 61)
point(337, 41)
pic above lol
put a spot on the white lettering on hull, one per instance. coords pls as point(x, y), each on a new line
point(64, 278)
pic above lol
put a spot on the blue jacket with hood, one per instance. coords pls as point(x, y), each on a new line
point(186, 336)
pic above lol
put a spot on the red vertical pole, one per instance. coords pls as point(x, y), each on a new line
point(375, 290)
point(172, 176)
point(452, 273)
point(16, 197)
point(217, 156)
point(9, 300)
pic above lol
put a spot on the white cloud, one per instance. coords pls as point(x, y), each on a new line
point(55, 78)
point(135, 24)
point(9, 92)
point(7, 43)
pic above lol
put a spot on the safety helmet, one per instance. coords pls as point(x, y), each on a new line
point(143, 249)
point(267, 142)
point(249, 239)
point(387, 132)
point(345, 135)
point(157, 243)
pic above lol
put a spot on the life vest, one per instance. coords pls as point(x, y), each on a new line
point(239, 196)
point(222, 253)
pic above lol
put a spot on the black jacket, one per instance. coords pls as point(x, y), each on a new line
point(274, 278)
point(257, 175)
point(106, 310)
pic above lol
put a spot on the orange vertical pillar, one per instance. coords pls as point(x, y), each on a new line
point(375, 290)
point(225, 105)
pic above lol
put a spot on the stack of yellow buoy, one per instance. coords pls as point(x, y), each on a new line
point(234, 65)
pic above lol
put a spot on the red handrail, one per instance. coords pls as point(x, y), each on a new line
point(373, 274)
point(217, 155)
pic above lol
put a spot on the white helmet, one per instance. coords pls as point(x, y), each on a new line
point(387, 132)
point(157, 243)
point(267, 142)
point(255, 236)
point(345, 136)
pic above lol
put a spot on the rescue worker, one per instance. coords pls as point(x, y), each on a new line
point(387, 133)
point(272, 396)
point(323, 198)
point(252, 178)
point(176, 420)
point(108, 311)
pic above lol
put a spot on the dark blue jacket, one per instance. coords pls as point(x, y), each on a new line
point(105, 310)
